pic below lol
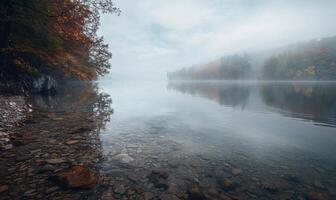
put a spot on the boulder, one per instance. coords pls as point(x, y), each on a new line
point(75, 177)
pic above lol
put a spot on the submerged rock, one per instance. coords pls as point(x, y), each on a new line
point(124, 158)
point(159, 178)
point(168, 197)
point(316, 196)
point(3, 188)
point(228, 184)
point(236, 171)
point(195, 193)
point(119, 189)
point(75, 177)
point(71, 142)
point(55, 161)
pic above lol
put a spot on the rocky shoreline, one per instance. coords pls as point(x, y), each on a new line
point(14, 110)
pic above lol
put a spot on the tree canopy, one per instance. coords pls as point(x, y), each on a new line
point(57, 38)
point(314, 60)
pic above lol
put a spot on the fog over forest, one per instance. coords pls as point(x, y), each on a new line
point(151, 38)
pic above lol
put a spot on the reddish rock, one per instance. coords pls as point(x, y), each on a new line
point(75, 177)
point(316, 196)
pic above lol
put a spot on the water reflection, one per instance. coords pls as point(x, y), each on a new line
point(315, 102)
point(312, 101)
point(61, 131)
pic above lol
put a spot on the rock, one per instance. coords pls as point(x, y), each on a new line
point(224, 197)
point(71, 142)
point(29, 192)
point(55, 161)
point(46, 168)
point(3, 188)
point(270, 188)
point(52, 189)
point(119, 189)
point(212, 191)
point(107, 195)
point(148, 196)
point(316, 196)
point(319, 185)
point(227, 184)
point(23, 158)
point(292, 179)
point(195, 193)
point(124, 158)
point(158, 178)
point(79, 130)
point(168, 197)
point(236, 171)
point(75, 177)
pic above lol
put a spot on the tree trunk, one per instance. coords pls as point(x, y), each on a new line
point(5, 38)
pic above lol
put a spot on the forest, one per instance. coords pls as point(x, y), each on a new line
point(313, 60)
point(228, 67)
point(45, 41)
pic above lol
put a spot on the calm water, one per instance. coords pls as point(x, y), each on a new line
point(280, 137)
point(180, 140)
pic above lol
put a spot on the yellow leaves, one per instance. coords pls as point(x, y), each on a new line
point(25, 66)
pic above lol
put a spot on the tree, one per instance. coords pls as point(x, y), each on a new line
point(54, 38)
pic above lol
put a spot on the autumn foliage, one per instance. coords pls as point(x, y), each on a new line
point(55, 38)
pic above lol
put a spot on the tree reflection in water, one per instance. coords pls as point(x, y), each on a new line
point(313, 101)
point(230, 94)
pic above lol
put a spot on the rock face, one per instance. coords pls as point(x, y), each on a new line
point(75, 177)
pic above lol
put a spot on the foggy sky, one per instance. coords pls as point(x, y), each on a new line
point(151, 37)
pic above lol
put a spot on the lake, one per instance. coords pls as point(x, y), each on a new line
point(271, 139)
point(181, 140)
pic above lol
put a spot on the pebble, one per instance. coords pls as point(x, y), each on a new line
point(195, 193)
point(119, 189)
point(55, 161)
point(3, 188)
point(228, 184)
point(148, 196)
point(75, 177)
point(124, 158)
point(236, 171)
point(319, 185)
point(71, 142)
point(168, 197)
point(316, 196)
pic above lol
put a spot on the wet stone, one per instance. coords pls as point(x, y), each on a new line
point(71, 142)
point(236, 171)
point(75, 177)
point(319, 185)
point(159, 178)
point(55, 161)
point(52, 189)
point(316, 196)
point(228, 184)
point(119, 189)
point(3, 188)
point(124, 158)
point(148, 196)
point(195, 193)
point(168, 197)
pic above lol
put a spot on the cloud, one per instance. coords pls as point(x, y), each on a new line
point(181, 15)
point(156, 36)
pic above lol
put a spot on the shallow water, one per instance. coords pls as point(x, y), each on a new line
point(280, 135)
point(185, 140)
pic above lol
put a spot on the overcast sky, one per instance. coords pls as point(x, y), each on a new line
point(151, 37)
